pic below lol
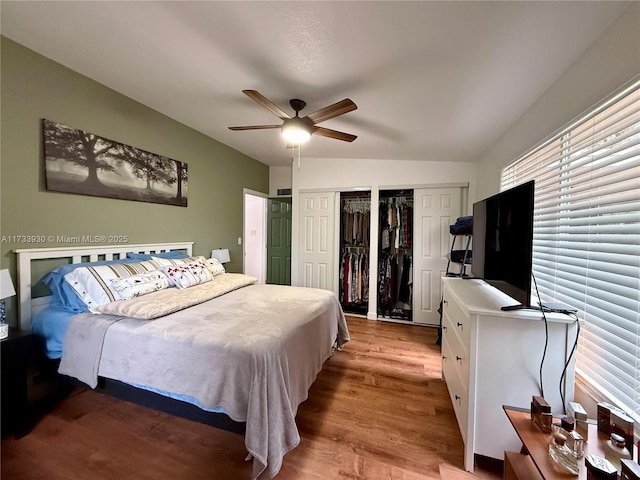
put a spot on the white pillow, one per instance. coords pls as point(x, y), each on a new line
point(188, 275)
point(214, 266)
point(176, 261)
point(140, 284)
point(93, 284)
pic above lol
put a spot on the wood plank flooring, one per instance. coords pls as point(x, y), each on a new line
point(378, 410)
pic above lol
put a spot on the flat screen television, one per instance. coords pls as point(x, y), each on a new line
point(503, 242)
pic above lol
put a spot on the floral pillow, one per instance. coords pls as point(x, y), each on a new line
point(188, 275)
point(140, 284)
point(214, 266)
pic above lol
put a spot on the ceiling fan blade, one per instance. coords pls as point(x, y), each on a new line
point(266, 103)
point(327, 132)
point(332, 111)
point(255, 127)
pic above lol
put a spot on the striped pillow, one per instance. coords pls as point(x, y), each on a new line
point(93, 284)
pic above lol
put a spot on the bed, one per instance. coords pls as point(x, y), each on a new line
point(228, 345)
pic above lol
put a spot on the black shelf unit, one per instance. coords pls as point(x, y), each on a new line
point(461, 257)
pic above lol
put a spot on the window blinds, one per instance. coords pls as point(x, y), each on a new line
point(586, 245)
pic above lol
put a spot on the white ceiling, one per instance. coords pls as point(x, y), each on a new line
point(432, 80)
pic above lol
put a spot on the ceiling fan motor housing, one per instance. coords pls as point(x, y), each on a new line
point(297, 104)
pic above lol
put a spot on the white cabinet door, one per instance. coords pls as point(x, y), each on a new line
point(434, 210)
point(317, 239)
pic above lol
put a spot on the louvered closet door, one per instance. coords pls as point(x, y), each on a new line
point(434, 209)
point(317, 239)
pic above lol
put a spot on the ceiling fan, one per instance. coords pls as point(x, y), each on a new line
point(298, 129)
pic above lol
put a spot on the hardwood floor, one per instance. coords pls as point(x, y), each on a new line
point(378, 410)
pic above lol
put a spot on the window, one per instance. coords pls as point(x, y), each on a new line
point(586, 246)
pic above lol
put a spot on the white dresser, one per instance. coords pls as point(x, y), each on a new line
point(491, 358)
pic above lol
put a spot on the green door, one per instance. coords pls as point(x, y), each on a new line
point(279, 241)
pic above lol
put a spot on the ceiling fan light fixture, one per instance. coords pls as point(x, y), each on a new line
point(298, 130)
point(295, 131)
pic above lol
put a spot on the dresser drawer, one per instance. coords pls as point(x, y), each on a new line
point(456, 354)
point(454, 316)
point(457, 388)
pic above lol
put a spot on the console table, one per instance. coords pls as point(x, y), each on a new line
point(533, 461)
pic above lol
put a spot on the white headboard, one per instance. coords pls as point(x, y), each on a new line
point(27, 305)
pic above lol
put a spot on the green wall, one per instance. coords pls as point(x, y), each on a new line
point(34, 87)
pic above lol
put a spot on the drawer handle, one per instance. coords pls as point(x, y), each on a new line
point(444, 327)
point(457, 397)
point(444, 357)
point(459, 324)
point(444, 302)
point(458, 358)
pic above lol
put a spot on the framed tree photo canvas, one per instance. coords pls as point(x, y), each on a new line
point(87, 164)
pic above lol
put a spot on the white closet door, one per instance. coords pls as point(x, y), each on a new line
point(317, 240)
point(434, 210)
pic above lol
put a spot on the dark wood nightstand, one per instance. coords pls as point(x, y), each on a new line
point(18, 353)
point(27, 379)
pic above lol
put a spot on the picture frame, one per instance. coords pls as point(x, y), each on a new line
point(84, 163)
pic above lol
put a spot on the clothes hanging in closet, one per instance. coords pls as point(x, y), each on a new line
point(354, 277)
point(354, 258)
point(396, 224)
point(406, 280)
point(356, 222)
point(387, 275)
point(394, 285)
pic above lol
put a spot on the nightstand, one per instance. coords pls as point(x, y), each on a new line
point(20, 359)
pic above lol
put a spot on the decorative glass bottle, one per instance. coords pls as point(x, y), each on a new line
point(574, 441)
point(616, 450)
point(561, 454)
